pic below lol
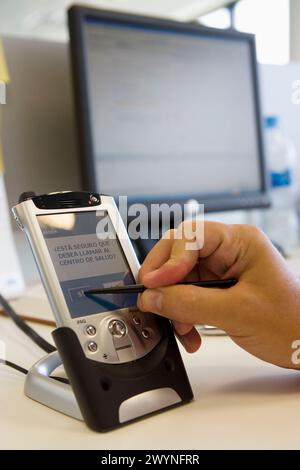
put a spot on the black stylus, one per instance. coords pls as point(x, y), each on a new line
point(139, 288)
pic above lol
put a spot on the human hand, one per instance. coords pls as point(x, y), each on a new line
point(261, 313)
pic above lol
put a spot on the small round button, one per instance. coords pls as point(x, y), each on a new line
point(117, 328)
point(136, 320)
point(91, 330)
point(146, 334)
point(94, 199)
point(92, 346)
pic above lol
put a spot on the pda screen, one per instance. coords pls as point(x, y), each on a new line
point(84, 261)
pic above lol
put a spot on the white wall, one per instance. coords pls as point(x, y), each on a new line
point(46, 19)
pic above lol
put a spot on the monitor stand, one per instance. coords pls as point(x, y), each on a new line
point(49, 391)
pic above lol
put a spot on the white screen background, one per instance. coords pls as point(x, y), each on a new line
point(171, 113)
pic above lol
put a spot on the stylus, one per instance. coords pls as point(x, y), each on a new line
point(139, 288)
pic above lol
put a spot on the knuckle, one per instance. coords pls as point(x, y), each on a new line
point(170, 301)
point(253, 236)
point(143, 270)
point(140, 302)
point(165, 301)
point(191, 296)
point(251, 231)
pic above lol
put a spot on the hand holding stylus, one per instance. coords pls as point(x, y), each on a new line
point(140, 288)
point(261, 311)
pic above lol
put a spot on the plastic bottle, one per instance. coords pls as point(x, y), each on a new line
point(281, 222)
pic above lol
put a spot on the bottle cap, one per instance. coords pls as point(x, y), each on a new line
point(271, 122)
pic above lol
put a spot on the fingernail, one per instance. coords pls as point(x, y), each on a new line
point(152, 300)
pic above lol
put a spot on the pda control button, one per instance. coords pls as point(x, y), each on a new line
point(92, 346)
point(117, 328)
point(146, 333)
point(91, 330)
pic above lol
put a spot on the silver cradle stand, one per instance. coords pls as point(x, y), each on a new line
point(39, 386)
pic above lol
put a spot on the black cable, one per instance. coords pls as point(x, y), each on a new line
point(33, 335)
point(64, 380)
point(25, 371)
point(14, 366)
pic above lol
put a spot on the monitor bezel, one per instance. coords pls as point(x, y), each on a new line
point(213, 203)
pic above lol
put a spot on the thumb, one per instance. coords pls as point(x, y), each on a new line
point(192, 305)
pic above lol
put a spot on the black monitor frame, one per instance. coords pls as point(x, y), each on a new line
point(77, 16)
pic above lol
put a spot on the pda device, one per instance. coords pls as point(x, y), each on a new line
point(122, 364)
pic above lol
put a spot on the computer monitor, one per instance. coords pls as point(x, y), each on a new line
point(167, 111)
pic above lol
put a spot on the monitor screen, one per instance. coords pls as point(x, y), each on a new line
point(83, 261)
point(173, 112)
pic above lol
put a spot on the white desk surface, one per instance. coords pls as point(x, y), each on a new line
point(240, 403)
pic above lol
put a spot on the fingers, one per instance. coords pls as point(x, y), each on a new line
point(170, 261)
point(182, 328)
point(188, 336)
point(190, 341)
point(193, 305)
point(159, 254)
